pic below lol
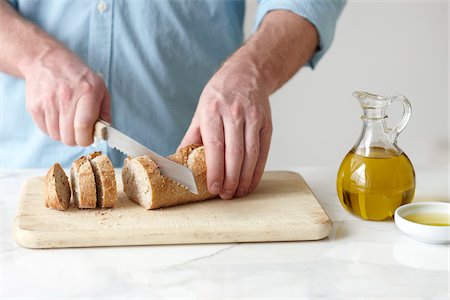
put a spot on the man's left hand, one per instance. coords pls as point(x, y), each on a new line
point(233, 121)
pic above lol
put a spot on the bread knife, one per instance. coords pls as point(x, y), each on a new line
point(125, 144)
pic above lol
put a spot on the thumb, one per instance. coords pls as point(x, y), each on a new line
point(86, 114)
point(105, 108)
point(192, 136)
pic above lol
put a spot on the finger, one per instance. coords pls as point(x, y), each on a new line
point(192, 136)
point(105, 109)
point(67, 107)
point(66, 129)
point(37, 114)
point(52, 120)
point(234, 156)
point(250, 159)
point(86, 114)
point(213, 139)
point(39, 120)
point(265, 136)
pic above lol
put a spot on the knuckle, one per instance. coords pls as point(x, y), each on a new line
point(236, 151)
point(64, 92)
point(252, 150)
point(98, 80)
point(268, 128)
point(230, 184)
point(65, 103)
point(64, 97)
point(245, 181)
point(214, 175)
point(236, 111)
point(67, 133)
point(33, 108)
point(253, 114)
point(213, 108)
point(82, 126)
point(46, 99)
point(217, 144)
point(87, 87)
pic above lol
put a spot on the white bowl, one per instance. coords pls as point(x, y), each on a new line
point(421, 232)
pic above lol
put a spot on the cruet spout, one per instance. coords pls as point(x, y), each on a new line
point(375, 106)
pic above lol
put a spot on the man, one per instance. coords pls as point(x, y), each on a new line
point(152, 68)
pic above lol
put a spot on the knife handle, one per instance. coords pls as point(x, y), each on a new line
point(100, 130)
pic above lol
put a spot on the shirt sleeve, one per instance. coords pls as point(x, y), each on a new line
point(13, 3)
point(323, 14)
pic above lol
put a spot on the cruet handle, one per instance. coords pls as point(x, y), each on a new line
point(395, 131)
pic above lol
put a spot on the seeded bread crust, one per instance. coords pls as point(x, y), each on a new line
point(84, 193)
point(57, 188)
point(105, 179)
point(162, 191)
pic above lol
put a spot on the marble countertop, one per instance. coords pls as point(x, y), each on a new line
point(359, 260)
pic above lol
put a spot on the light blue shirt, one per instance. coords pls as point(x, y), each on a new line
point(155, 57)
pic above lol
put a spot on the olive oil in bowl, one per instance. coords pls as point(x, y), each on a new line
point(431, 219)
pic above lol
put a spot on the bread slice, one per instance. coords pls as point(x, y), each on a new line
point(84, 194)
point(145, 185)
point(57, 188)
point(105, 179)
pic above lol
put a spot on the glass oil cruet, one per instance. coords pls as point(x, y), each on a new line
point(376, 176)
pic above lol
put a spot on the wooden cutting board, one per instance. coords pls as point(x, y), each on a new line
point(282, 208)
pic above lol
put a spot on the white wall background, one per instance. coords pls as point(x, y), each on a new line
point(384, 47)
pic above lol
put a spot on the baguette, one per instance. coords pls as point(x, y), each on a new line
point(57, 188)
point(145, 185)
point(105, 179)
point(84, 193)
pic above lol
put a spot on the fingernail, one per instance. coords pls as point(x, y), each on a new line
point(228, 194)
point(240, 192)
point(215, 188)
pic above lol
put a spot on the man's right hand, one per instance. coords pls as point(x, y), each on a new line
point(65, 97)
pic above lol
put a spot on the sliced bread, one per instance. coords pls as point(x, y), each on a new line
point(105, 179)
point(84, 194)
point(145, 185)
point(57, 188)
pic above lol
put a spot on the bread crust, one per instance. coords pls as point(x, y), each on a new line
point(164, 191)
point(53, 196)
point(105, 179)
point(87, 193)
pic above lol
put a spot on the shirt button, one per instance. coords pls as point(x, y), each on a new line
point(102, 6)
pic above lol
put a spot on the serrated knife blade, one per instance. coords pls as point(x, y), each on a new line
point(130, 147)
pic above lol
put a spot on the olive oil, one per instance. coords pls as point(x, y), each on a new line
point(373, 186)
point(432, 219)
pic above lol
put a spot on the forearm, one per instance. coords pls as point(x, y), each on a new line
point(281, 46)
point(21, 42)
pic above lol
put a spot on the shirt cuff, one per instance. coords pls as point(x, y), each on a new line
point(323, 14)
